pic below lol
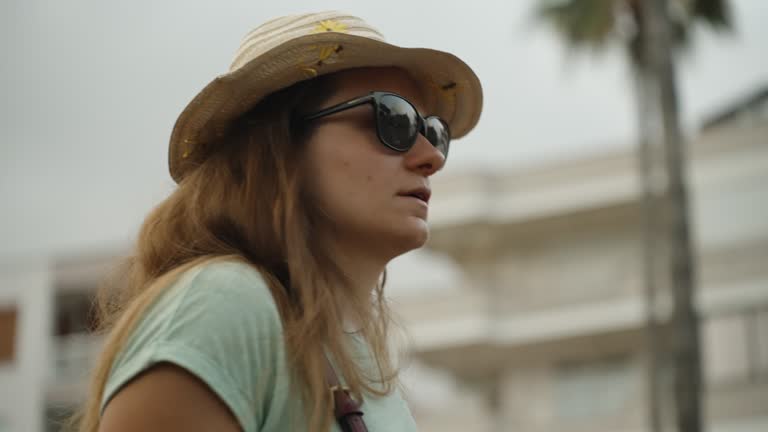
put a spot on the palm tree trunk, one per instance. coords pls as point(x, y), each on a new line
point(685, 328)
point(649, 182)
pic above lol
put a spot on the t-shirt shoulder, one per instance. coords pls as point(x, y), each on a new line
point(218, 321)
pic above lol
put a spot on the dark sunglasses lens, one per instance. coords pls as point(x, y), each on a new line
point(397, 122)
point(438, 134)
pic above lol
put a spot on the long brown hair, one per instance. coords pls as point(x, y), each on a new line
point(246, 200)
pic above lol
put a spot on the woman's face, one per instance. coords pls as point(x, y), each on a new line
point(365, 189)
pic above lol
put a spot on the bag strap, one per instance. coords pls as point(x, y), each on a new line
point(348, 413)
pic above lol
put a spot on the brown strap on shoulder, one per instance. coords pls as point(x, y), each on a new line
point(347, 411)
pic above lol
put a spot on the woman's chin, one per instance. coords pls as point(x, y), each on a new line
point(397, 238)
point(414, 234)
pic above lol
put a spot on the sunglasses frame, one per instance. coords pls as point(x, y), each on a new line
point(374, 98)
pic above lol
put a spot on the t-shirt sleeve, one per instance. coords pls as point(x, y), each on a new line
point(220, 323)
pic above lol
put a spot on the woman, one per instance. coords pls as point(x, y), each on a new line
point(258, 282)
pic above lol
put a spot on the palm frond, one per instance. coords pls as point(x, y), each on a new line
point(715, 13)
point(591, 24)
point(581, 24)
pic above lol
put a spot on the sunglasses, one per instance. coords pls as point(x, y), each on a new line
point(398, 123)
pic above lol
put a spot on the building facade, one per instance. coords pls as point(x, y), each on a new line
point(547, 331)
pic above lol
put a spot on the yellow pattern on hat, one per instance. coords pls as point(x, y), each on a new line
point(330, 25)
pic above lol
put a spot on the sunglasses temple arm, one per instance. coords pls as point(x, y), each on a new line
point(340, 107)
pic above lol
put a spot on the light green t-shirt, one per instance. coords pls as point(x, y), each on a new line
point(220, 323)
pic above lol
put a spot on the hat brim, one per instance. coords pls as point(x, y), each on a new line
point(453, 90)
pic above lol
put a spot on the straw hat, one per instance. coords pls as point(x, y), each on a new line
point(286, 50)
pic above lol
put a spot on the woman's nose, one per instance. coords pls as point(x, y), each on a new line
point(424, 158)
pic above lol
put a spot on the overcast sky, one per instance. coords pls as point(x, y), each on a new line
point(90, 91)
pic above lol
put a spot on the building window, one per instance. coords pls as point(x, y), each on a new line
point(8, 317)
point(75, 313)
point(757, 335)
point(75, 344)
point(610, 383)
point(724, 348)
point(736, 346)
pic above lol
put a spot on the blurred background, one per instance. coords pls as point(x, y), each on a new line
point(552, 293)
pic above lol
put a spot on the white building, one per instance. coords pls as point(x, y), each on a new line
point(541, 326)
point(546, 332)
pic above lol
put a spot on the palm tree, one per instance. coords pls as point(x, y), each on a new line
point(650, 33)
